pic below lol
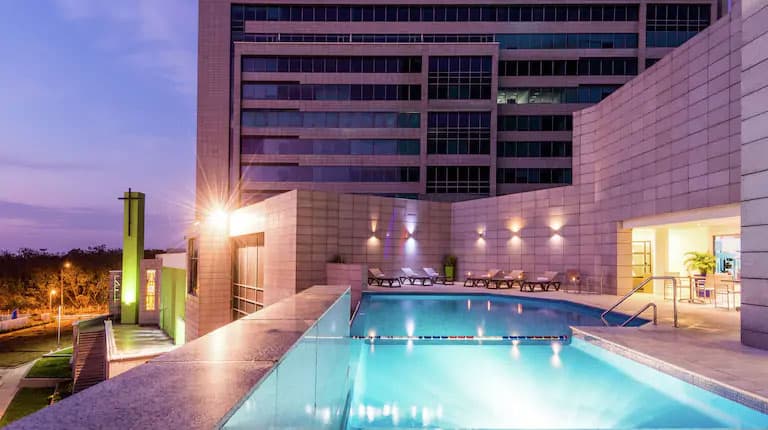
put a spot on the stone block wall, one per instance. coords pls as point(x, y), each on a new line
point(754, 171)
point(669, 140)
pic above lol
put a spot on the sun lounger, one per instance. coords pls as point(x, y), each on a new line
point(412, 277)
point(510, 279)
point(376, 276)
point(481, 280)
point(543, 281)
point(436, 277)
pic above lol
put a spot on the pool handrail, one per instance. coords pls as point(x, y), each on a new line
point(651, 304)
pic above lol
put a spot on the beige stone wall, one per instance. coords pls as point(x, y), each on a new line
point(377, 231)
point(667, 141)
point(754, 170)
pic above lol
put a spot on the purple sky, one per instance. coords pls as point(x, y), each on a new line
point(97, 96)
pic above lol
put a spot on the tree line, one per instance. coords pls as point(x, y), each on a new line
point(31, 279)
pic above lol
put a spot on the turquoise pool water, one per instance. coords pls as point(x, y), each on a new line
point(473, 315)
point(331, 380)
point(449, 386)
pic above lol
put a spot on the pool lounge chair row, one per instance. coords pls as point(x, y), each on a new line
point(495, 278)
point(430, 277)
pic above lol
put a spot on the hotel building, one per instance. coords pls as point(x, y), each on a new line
point(416, 99)
point(510, 135)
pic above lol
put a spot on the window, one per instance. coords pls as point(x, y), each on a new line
point(149, 302)
point(296, 173)
point(533, 176)
point(193, 253)
point(459, 77)
point(596, 66)
point(547, 95)
point(282, 145)
point(293, 91)
point(430, 13)
point(247, 275)
point(535, 123)
point(544, 149)
point(671, 25)
point(303, 64)
point(288, 118)
point(458, 179)
point(459, 133)
point(567, 40)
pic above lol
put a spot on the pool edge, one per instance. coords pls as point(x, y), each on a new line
point(738, 395)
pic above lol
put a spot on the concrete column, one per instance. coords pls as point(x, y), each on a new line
point(754, 173)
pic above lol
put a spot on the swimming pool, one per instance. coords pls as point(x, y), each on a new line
point(332, 380)
point(552, 385)
point(481, 315)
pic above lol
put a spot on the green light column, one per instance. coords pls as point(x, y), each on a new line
point(133, 252)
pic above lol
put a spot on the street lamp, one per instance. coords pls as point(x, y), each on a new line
point(66, 265)
point(50, 298)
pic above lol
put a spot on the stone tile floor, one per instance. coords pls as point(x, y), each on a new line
point(706, 342)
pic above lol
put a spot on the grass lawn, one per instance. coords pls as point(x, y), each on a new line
point(51, 367)
point(22, 346)
point(26, 401)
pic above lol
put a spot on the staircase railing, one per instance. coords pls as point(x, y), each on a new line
point(649, 305)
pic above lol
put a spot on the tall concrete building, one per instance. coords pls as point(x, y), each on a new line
point(445, 100)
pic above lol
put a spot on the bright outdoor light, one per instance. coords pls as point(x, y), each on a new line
point(218, 218)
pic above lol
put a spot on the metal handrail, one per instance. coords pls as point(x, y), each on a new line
point(634, 290)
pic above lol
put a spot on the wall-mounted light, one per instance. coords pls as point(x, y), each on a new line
point(218, 218)
point(480, 234)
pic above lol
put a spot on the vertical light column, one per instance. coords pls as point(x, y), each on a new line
point(133, 252)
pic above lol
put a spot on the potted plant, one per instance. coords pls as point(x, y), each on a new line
point(701, 262)
point(449, 266)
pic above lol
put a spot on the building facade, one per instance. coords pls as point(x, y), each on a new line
point(447, 101)
point(680, 143)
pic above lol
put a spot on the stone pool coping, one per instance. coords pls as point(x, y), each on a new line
point(722, 389)
point(198, 384)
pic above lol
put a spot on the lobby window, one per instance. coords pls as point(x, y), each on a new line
point(535, 123)
point(458, 179)
point(354, 92)
point(288, 118)
point(296, 173)
point(554, 95)
point(544, 149)
point(533, 176)
point(671, 25)
point(467, 77)
point(331, 64)
point(285, 145)
point(588, 66)
point(459, 133)
point(149, 302)
point(247, 275)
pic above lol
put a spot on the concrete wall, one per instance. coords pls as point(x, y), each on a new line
point(669, 140)
point(754, 171)
point(377, 231)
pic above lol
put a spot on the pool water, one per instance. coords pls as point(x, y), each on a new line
point(424, 384)
point(473, 315)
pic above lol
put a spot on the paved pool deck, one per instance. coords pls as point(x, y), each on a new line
point(706, 342)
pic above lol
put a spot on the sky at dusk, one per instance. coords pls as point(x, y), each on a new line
point(95, 97)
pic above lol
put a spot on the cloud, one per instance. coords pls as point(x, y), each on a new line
point(10, 162)
point(155, 36)
point(61, 229)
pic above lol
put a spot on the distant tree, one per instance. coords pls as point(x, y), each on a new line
point(28, 276)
